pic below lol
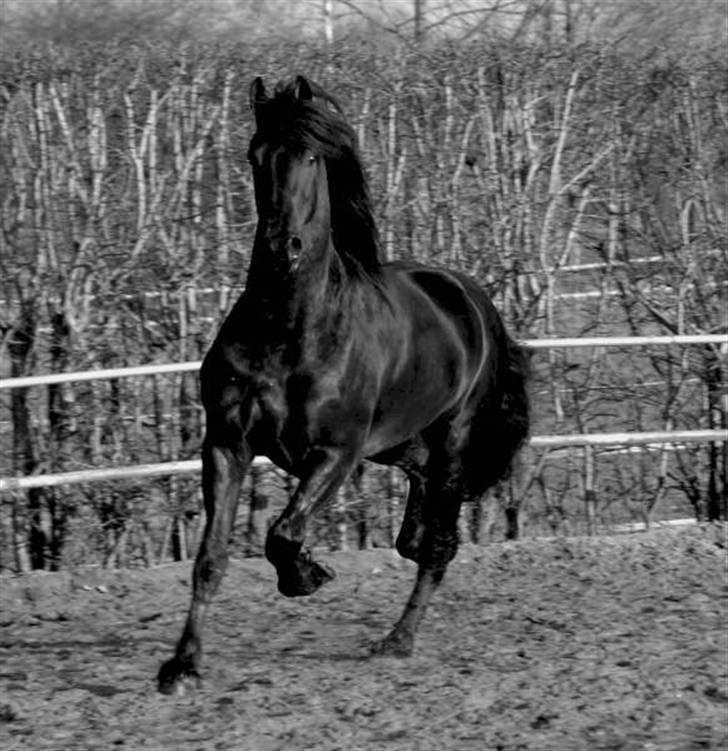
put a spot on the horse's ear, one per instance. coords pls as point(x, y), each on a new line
point(302, 90)
point(257, 93)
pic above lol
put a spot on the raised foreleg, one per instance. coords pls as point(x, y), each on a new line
point(298, 574)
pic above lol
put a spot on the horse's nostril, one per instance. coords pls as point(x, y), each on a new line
point(296, 243)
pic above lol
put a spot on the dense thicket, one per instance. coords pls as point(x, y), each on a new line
point(585, 188)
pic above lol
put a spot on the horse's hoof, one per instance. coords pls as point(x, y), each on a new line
point(320, 574)
point(175, 675)
point(395, 644)
point(303, 578)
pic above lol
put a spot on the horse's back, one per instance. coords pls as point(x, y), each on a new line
point(452, 291)
point(461, 301)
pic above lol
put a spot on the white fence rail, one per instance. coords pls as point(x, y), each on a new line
point(673, 437)
point(625, 341)
point(100, 375)
point(185, 367)
point(681, 437)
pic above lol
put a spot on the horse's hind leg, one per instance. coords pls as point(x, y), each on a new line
point(223, 469)
point(412, 530)
point(441, 508)
point(412, 457)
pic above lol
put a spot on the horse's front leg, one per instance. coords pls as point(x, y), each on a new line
point(223, 470)
point(298, 574)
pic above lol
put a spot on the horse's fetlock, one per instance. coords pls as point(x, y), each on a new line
point(280, 549)
point(439, 551)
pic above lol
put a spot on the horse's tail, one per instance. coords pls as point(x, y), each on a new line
point(515, 410)
point(503, 427)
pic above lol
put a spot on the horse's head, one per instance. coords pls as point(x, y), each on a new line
point(289, 172)
point(310, 189)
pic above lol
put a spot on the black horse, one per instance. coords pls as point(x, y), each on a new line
point(330, 357)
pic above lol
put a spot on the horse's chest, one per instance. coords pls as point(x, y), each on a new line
point(291, 411)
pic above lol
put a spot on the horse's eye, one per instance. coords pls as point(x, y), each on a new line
point(312, 159)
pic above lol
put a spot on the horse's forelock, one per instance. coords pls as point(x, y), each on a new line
point(311, 122)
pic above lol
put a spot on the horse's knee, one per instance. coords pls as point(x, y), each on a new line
point(448, 549)
point(409, 540)
point(210, 566)
point(406, 548)
point(439, 550)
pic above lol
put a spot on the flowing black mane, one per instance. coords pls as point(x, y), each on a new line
point(312, 124)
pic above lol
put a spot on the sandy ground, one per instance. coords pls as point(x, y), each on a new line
point(608, 643)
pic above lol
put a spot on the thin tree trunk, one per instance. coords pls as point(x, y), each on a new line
point(59, 433)
point(716, 505)
point(419, 20)
point(342, 528)
point(328, 13)
point(258, 513)
point(393, 506)
point(28, 521)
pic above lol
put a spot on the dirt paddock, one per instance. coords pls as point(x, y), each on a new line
point(577, 643)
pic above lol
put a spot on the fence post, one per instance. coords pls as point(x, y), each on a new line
point(590, 498)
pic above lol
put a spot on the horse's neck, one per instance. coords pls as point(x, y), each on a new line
point(294, 306)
